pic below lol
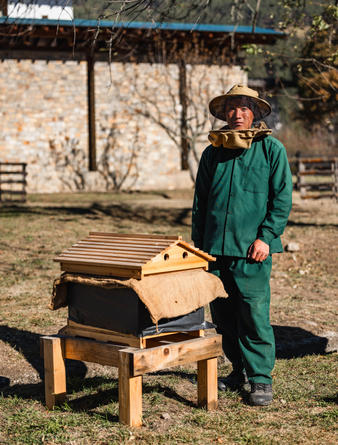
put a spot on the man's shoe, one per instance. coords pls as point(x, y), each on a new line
point(234, 381)
point(261, 394)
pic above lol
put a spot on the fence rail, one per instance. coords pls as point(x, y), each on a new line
point(13, 181)
point(319, 175)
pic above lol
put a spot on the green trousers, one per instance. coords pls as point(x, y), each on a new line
point(243, 319)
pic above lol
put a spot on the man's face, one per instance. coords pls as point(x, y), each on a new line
point(238, 114)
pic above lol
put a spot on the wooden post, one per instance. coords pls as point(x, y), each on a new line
point(130, 392)
point(91, 113)
point(55, 371)
point(207, 383)
point(4, 7)
point(334, 166)
point(300, 179)
point(184, 112)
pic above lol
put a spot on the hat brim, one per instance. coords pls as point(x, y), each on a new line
point(218, 104)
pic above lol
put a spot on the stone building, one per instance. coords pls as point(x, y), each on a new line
point(151, 96)
point(43, 121)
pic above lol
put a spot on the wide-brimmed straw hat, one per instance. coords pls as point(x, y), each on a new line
point(218, 104)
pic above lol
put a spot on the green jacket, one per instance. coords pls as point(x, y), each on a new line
point(242, 195)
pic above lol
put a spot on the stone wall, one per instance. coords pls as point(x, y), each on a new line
point(43, 121)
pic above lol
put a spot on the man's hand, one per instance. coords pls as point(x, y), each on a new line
point(258, 251)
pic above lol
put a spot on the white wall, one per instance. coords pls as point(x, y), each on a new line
point(40, 9)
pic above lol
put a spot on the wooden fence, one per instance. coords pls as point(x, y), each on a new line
point(319, 175)
point(13, 182)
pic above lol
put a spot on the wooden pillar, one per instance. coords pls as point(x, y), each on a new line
point(55, 371)
point(207, 383)
point(130, 392)
point(184, 112)
point(4, 7)
point(91, 113)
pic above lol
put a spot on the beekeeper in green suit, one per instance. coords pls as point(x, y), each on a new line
point(241, 206)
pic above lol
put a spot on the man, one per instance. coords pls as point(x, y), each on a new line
point(241, 206)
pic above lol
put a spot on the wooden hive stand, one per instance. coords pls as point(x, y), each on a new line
point(157, 353)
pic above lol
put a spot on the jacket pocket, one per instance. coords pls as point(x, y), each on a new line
point(256, 179)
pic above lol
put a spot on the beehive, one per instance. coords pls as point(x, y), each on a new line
point(131, 255)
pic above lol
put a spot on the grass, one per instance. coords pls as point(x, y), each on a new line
point(304, 309)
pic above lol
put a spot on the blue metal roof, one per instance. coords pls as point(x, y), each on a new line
point(144, 25)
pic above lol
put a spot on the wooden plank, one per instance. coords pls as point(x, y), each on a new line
point(317, 160)
point(316, 173)
point(105, 256)
point(23, 164)
point(96, 259)
point(131, 242)
point(13, 192)
point(207, 383)
point(93, 351)
point(103, 337)
point(170, 337)
point(103, 334)
point(120, 264)
point(130, 393)
point(180, 254)
point(101, 270)
point(154, 359)
point(129, 246)
point(108, 253)
point(55, 371)
point(137, 235)
point(74, 328)
point(8, 172)
point(150, 269)
point(12, 181)
point(120, 247)
point(196, 251)
point(316, 185)
point(318, 196)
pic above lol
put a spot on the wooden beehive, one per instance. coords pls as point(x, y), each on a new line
point(131, 255)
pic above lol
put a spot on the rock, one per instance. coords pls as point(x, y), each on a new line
point(165, 416)
point(292, 247)
point(332, 341)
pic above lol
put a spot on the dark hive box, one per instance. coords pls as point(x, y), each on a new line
point(121, 310)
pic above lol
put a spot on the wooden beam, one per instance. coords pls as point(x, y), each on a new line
point(103, 335)
point(55, 371)
point(184, 114)
point(4, 7)
point(175, 354)
point(91, 351)
point(207, 383)
point(91, 113)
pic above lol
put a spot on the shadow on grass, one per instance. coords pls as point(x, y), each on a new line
point(292, 223)
point(142, 214)
point(28, 344)
point(291, 342)
point(331, 399)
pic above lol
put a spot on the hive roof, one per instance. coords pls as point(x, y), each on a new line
point(131, 255)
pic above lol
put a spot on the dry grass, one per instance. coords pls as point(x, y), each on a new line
point(304, 312)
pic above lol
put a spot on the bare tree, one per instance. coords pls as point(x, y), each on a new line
point(118, 164)
point(184, 120)
point(70, 161)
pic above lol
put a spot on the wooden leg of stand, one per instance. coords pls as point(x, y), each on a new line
point(207, 383)
point(130, 393)
point(55, 371)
